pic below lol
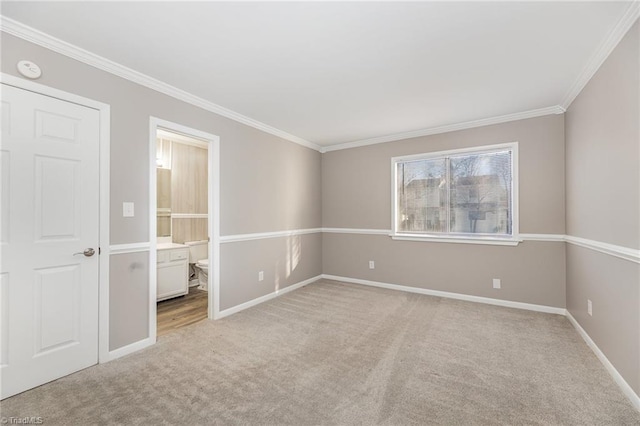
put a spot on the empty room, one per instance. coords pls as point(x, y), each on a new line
point(320, 213)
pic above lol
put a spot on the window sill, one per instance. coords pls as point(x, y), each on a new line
point(494, 241)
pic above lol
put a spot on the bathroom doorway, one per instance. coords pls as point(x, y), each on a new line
point(184, 218)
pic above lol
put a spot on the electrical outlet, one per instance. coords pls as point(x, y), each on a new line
point(127, 209)
point(496, 283)
point(589, 307)
point(261, 276)
point(372, 264)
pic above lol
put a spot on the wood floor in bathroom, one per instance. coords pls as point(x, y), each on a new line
point(182, 311)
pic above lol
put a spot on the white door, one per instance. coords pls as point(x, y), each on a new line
point(48, 292)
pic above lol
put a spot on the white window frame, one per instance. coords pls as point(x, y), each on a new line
point(511, 240)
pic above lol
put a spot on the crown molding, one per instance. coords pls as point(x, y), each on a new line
point(602, 52)
point(40, 38)
point(556, 109)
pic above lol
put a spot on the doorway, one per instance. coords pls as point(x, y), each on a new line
point(54, 179)
point(184, 226)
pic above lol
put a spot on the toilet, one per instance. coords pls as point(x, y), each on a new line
point(198, 257)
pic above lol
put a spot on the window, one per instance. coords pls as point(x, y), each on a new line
point(465, 195)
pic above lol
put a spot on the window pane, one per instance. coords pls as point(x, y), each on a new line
point(480, 196)
point(421, 196)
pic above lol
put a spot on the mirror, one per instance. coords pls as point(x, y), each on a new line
point(164, 202)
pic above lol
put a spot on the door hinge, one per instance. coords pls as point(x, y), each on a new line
point(99, 251)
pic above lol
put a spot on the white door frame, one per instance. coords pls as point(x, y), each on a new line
point(213, 221)
point(104, 179)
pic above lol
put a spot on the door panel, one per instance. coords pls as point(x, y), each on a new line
point(57, 313)
point(56, 126)
point(57, 214)
point(50, 205)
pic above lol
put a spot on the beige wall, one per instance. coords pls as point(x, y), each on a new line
point(533, 272)
point(128, 274)
point(356, 183)
point(613, 286)
point(603, 204)
point(285, 261)
point(269, 186)
point(356, 188)
point(267, 183)
point(603, 151)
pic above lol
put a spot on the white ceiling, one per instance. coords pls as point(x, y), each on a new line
point(339, 72)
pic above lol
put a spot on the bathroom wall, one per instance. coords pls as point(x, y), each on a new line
point(189, 192)
point(189, 229)
point(267, 184)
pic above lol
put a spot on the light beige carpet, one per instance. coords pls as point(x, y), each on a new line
point(344, 354)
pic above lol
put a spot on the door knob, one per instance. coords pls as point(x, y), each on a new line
point(87, 252)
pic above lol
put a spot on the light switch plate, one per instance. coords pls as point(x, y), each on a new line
point(127, 209)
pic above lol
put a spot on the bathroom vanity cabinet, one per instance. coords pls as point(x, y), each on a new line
point(173, 271)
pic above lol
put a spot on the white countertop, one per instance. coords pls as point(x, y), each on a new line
point(167, 246)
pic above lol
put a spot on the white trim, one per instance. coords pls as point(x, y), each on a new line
point(129, 349)
point(449, 295)
point(265, 235)
point(617, 377)
point(621, 252)
point(543, 237)
point(152, 302)
point(261, 299)
point(105, 249)
point(357, 231)
point(189, 215)
point(602, 52)
point(104, 181)
point(459, 240)
point(625, 253)
point(510, 240)
point(213, 222)
point(213, 225)
point(610, 249)
point(182, 139)
point(129, 248)
point(480, 149)
point(556, 109)
point(40, 38)
point(613, 250)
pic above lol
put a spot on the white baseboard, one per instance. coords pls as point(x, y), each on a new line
point(624, 386)
point(261, 299)
point(129, 349)
point(448, 295)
